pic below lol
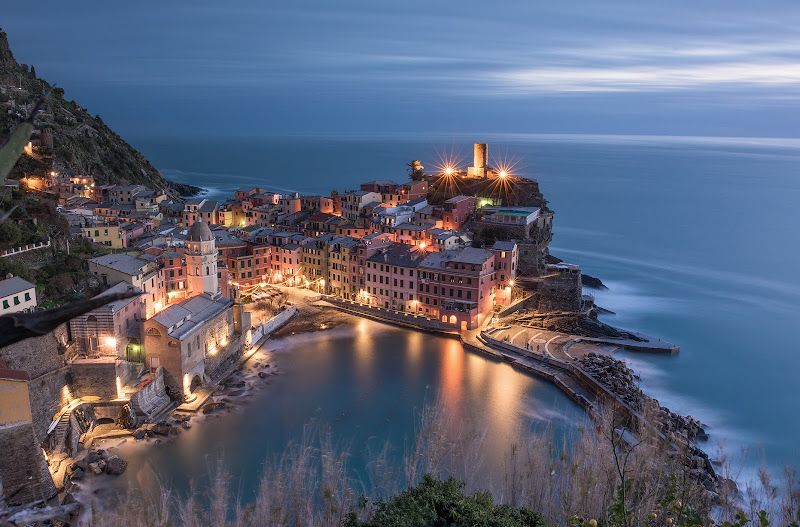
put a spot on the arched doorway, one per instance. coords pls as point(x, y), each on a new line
point(196, 383)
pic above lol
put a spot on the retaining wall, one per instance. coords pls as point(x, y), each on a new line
point(392, 317)
point(273, 324)
point(95, 378)
point(23, 470)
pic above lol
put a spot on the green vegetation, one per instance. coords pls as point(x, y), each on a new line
point(486, 237)
point(436, 503)
point(32, 221)
point(59, 278)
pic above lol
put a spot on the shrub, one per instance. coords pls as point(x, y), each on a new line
point(435, 503)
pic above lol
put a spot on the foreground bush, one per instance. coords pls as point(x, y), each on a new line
point(436, 503)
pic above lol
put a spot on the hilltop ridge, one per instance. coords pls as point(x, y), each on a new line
point(68, 138)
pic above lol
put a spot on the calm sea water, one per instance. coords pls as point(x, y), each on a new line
point(366, 385)
point(696, 238)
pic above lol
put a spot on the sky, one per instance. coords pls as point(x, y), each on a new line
point(254, 67)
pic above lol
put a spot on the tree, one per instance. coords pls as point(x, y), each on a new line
point(334, 194)
point(415, 170)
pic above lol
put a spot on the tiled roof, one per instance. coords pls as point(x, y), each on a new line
point(14, 285)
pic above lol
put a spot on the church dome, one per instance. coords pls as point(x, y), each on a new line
point(199, 232)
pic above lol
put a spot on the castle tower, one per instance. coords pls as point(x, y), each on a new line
point(201, 260)
point(479, 160)
point(47, 138)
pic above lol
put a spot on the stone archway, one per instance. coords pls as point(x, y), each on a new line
point(196, 383)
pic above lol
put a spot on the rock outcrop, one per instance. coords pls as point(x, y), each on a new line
point(81, 143)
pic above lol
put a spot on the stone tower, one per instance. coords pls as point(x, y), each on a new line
point(201, 260)
point(480, 160)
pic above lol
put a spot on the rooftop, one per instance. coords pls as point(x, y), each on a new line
point(122, 263)
point(470, 255)
point(12, 375)
point(14, 285)
point(121, 287)
point(504, 246)
point(398, 254)
point(183, 318)
point(456, 199)
point(409, 227)
point(381, 183)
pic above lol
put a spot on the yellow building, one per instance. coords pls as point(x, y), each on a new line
point(15, 403)
point(106, 234)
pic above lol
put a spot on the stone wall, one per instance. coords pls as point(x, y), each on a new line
point(561, 291)
point(37, 355)
point(95, 378)
point(23, 471)
point(217, 365)
point(49, 393)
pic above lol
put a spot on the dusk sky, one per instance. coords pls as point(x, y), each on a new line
point(353, 66)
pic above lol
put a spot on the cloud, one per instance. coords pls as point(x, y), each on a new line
point(646, 78)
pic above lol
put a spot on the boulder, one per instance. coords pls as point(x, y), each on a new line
point(94, 467)
point(78, 475)
point(186, 424)
point(140, 433)
point(213, 407)
point(115, 465)
point(68, 498)
point(161, 429)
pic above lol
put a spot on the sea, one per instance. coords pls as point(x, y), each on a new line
point(695, 237)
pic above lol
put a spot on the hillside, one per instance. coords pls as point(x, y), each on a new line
point(81, 143)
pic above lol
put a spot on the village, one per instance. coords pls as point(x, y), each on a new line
point(208, 280)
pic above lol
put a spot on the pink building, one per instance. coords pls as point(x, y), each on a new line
point(391, 277)
point(506, 257)
point(458, 287)
point(457, 211)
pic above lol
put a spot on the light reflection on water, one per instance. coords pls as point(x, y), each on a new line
point(370, 381)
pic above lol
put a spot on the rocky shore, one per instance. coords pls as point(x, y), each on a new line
point(623, 383)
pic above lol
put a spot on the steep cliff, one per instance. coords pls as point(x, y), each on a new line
point(72, 140)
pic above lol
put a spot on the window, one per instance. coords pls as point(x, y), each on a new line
point(27, 296)
point(153, 332)
point(5, 304)
point(16, 300)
